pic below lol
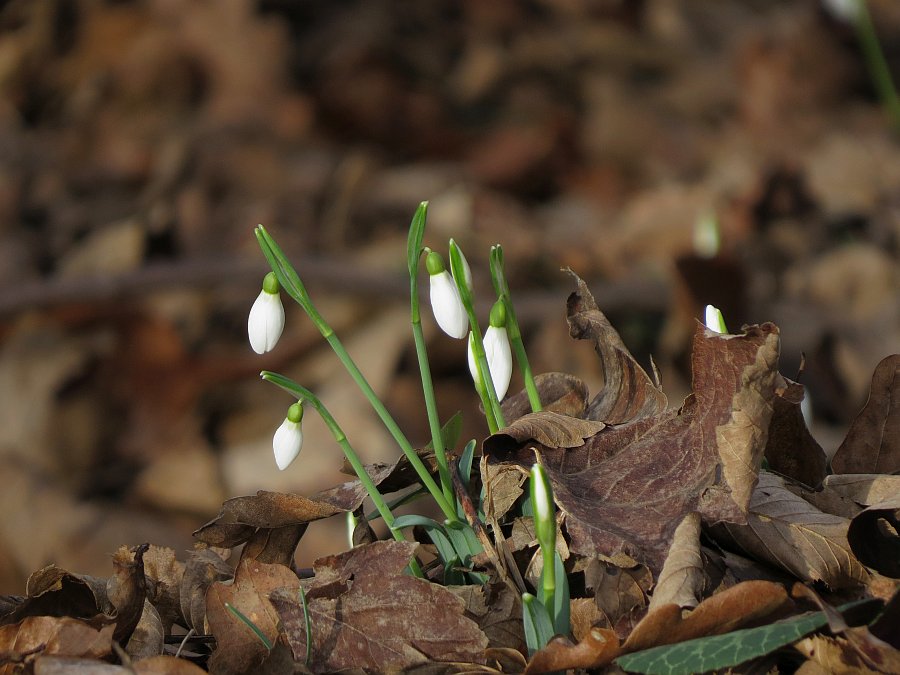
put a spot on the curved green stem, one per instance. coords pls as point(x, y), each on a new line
point(413, 255)
point(341, 438)
point(501, 287)
point(292, 285)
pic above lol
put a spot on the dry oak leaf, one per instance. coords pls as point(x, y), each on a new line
point(366, 612)
point(872, 444)
point(558, 392)
point(790, 533)
point(627, 488)
point(202, 569)
point(743, 604)
point(627, 393)
point(238, 648)
point(791, 450)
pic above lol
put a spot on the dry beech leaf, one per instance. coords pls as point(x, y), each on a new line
point(584, 615)
point(367, 613)
point(241, 516)
point(238, 648)
point(628, 487)
point(682, 577)
point(746, 603)
point(620, 593)
point(202, 569)
point(547, 428)
point(52, 591)
point(166, 665)
point(126, 590)
point(498, 612)
point(598, 648)
point(64, 636)
point(164, 573)
point(628, 393)
point(559, 392)
point(872, 444)
point(148, 637)
point(864, 489)
point(874, 536)
point(855, 652)
point(791, 450)
point(274, 546)
point(74, 665)
point(790, 533)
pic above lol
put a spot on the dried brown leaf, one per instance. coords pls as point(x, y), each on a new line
point(166, 665)
point(874, 536)
point(741, 605)
point(64, 636)
point(73, 665)
point(238, 648)
point(627, 394)
point(164, 573)
point(855, 651)
point(628, 487)
point(367, 613)
point(872, 444)
point(559, 392)
point(788, 532)
point(791, 449)
point(127, 590)
point(52, 591)
point(148, 638)
point(274, 546)
point(682, 577)
point(547, 428)
point(202, 569)
point(620, 593)
point(598, 648)
point(498, 612)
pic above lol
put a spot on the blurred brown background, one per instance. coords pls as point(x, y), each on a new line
point(141, 141)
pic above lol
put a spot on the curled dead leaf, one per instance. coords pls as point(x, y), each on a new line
point(598, 648)
point(874, 536)
point(789, 532)
point(682, 577)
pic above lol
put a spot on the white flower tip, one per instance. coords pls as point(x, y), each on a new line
point(499, 358)
point(447, 306)
point(286, 443)
point(714, 320)
point(266, 322)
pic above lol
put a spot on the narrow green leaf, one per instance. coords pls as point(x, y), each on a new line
point(465, 462)
point(252, 626)
point(538, 629)
point(414, 240)
point(561, 598)
point(307, 623)
point(724, 651)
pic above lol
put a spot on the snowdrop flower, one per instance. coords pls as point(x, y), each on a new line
point(848, 10)
point(497, 351)
point(542, 507)
point(266, 320)
point(288, 437)
point(445, 301)
point(714, 320)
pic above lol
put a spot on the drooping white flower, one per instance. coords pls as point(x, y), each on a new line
point(497, 351)
point(266, 321)
point(714, 320)
point(446, 304)
point(288, 439)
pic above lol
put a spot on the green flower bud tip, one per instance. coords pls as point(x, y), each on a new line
point(498, 314)
point(266, 321)
point(706, 236)
point(434, 263)
point(714, 320)
point(288, 439)
point(467, 271)
point(499, 358)
point(543, 508)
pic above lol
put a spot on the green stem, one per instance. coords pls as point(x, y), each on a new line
point(501, 287)
point(341, 438)
point(413, 255)
point(878, 67)
point(292, 285)
point(548, 577)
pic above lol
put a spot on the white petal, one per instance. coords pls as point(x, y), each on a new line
point(286, 443)
point(266, 322)
point(447, 306)
point(499, 356)
point(714, 320)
